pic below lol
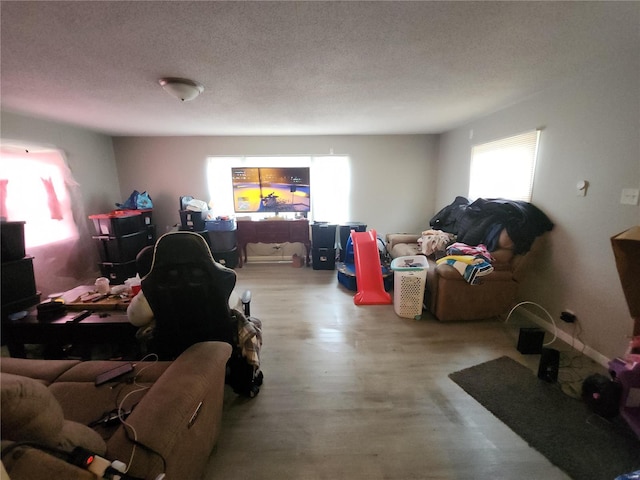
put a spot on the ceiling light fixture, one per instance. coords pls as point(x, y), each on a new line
point(181, 88)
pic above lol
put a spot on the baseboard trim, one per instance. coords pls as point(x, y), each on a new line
point(566, 337)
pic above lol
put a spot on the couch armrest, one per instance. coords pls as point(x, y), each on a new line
point(28, 463)
point(396, 238)
point(179, 417)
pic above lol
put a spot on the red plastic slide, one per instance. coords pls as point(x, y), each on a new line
point(368, 271)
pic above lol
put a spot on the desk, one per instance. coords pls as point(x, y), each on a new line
point(272, 231)
point(98, 328)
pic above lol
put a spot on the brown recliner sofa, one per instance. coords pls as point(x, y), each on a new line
point(176, 414)
point(448, 296)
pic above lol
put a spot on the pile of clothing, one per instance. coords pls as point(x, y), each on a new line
point(476, 227)
point(481, 221)
point(473, 263)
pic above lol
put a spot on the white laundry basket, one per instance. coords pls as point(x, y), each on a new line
point(409, 281)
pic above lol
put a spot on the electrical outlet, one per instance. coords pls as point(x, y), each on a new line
point(567, 316)
point(629, 196)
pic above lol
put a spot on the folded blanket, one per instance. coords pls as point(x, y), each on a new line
point(470, 267)
point(460, 248)
point(433, 241)
point(249, 336)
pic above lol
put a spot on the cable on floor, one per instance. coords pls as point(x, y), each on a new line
point(555, 327)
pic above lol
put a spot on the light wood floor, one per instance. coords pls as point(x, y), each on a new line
point(356, 392)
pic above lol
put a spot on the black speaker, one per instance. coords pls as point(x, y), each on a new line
point(549, 365)
point(530, 340)
point(602, 395)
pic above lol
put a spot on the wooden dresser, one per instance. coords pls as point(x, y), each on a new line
point(272, 231)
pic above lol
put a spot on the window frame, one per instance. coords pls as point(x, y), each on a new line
point(330, 183)
point(504, 180)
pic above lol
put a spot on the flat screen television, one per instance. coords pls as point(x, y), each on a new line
point(258, 190)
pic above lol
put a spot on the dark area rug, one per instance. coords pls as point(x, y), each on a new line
point(563, 429)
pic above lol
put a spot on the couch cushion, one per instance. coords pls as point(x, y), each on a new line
point(405, 250)
point(31, 413)
point(75, 434)
point(45, 370)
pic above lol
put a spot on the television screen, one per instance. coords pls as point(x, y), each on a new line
point(276, 190)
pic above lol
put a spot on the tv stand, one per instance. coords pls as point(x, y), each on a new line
point(264, 231)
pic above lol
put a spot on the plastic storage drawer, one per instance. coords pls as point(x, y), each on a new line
point(222, 241)
point(194, 221)
point(323, 235)
point(229, 258)
point(121, 249)
point(118, 223)
point(323, 258)
point(220, 225)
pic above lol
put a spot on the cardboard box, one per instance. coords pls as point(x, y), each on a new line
point(626, 250)
point(297, 261)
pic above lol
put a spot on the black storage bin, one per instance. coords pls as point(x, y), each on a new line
point(323, 258)
point(146, 216)
point(12, 234)
point(117, 273)
point(18, 282)
point(121, 249)
point(151, 234)
point(222, 241)
point(227, 258)
point(345, 232)
point(323, 235)
point(193, 221)
point(116, 224)
point(220, 225)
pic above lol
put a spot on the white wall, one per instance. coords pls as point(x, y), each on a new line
point(89, 154)
point(591, 132)
point(393, 177)
point(91, 161)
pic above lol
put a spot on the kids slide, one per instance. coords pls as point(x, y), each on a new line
point(368, 272)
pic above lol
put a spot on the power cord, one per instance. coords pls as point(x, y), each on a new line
point(128, 426)
point(80, 457)
point(555, 327)
point(571, 383)
point(121, 414)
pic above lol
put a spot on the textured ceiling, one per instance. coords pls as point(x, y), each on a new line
point(297, 68)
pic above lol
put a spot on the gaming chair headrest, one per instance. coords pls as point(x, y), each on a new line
point(188, 248)
point(144, 260)
point(181, 247)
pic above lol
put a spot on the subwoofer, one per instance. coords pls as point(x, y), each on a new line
point(549, 365)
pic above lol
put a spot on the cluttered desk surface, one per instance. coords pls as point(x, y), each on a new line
point(85, 297)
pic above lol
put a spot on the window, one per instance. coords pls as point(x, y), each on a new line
point(34, 189)
point(330, 183)
point(504, 168)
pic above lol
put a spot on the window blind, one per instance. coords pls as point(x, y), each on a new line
point(504, 168)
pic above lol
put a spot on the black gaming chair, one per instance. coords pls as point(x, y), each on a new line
point(144, 260)
point(188, 292)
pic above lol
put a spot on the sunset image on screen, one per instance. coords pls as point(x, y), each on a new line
point(271, 189)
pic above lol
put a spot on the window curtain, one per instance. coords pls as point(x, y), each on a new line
point(37, 187)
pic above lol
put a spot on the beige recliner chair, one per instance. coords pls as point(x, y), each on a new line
point(448, 295)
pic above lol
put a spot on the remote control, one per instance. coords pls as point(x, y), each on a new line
point(80, 316)
point(113, 373)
